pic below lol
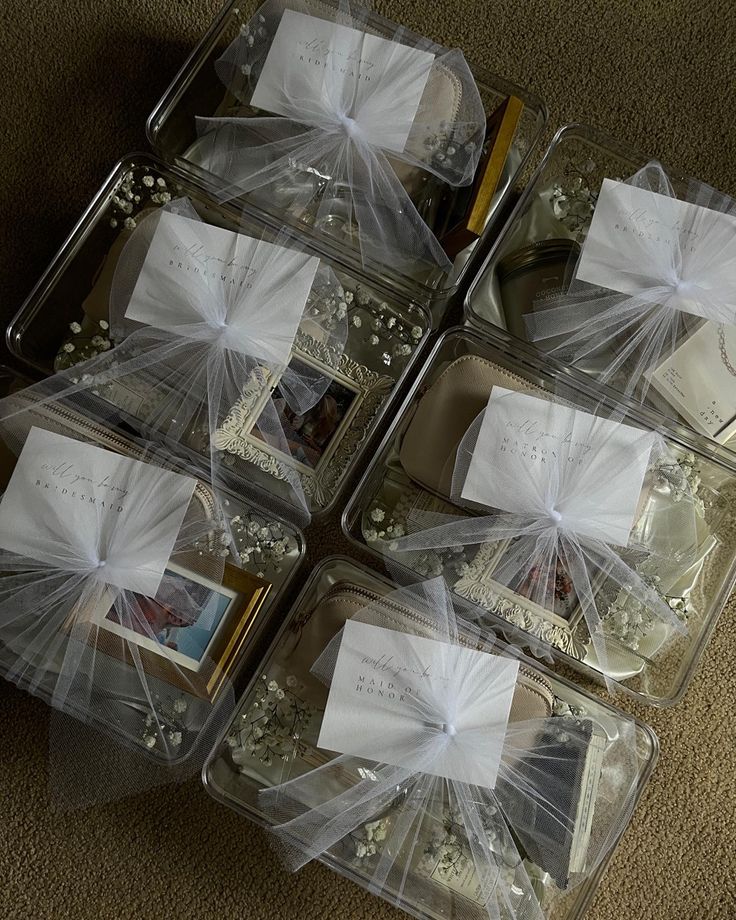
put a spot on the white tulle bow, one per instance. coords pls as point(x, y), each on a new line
point(423, 824)
point(345, 142)
point(658, 273)
point(551, 545)
point(191, 343)
point(78, 626)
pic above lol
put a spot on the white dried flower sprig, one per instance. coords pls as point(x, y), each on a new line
point(380, 327)
point(452, 562)
point(135, 193)
point(272, 725)
point(368, 840)
point(260, 542)
point(681, 476)
point(629, 620)
point(448, 853)
point(395, 336)
point(86, 340)
point(164, 725)
point(574, 196)
point(442, 147)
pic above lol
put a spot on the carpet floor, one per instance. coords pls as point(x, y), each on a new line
point(77, 80)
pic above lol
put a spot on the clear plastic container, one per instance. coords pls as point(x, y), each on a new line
point(534, 256)
point(270, 548)
point(557, 205)
point(386, 333)
point(197, 91)
point(650, 664)
point(236, 784)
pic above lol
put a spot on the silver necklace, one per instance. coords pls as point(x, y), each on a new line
point(722, 348)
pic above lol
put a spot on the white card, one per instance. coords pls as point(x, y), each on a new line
point(318, 65)
point(635, 232)
point(525, 443)
point(385, 685)
point(68, 500)
point(695, 379)
point(192, 270)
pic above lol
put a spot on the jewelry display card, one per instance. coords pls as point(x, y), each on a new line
point(188, 259)
point(530, 448)
point(637, 236)
point(335, 67)
point(69, 500)
point(390, 687)
point(699, 380)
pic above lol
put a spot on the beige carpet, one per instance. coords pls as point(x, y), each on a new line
point(77, 80)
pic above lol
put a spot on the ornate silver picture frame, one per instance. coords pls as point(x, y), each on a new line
point(324, 440)
point(478, 585)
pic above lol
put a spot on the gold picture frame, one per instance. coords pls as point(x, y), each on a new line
point(355, 396)
point(236, 601)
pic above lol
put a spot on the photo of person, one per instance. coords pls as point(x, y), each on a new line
point(183, 617)
point(309, 434)
point(558, 586)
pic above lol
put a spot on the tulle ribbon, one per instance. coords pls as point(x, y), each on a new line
point(423, 821)
point(669, 289)
point(553, 549)
point(340, 148)
point(102, 653)
point(214, 343)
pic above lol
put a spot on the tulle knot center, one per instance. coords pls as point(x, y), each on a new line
point(350, 126)
point(449, 729)
point(683, 290)
point(555, 516)
point(221, 330)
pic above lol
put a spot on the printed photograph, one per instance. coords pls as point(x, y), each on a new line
point(184, 617)
point(558, 586)
point(308, 435)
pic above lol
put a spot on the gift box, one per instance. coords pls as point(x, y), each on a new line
point(531, 840)
point(122, 606)
point(290, 435)
point(634, 606)
point(618, 268)
point(449, 201)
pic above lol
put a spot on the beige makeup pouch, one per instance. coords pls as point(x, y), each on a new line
point(440, 103)
point(445, 412)
point(312, 632)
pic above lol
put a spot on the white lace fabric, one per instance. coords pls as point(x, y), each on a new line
point(661, 295)
point(488, 832)
point(340, 143)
